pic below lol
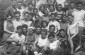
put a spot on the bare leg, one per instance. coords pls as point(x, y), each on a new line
point(71, 45)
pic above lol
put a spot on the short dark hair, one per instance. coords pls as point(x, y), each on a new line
point(24, 26)
point(79, 2)
point(26, 13)
point(44, 30)
point(51, 35)
point(43, 22)
point(52, 26)
point(19, 27)
point(53, 14)
point(16, 12)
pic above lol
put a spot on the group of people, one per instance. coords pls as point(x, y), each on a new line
point(43, 27)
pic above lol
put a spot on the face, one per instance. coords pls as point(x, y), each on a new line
point(38, 31)
point(43, 34)
point(51, 8)
point(46, 11)
point(52, 17)
point(44, 24)
point(30, 6)
point(64, 18)
point(51, 39)
point(42, 8)
point(35, 11)
point(17, 16)
point(52, 29)
point(50, 1)
point(59, 7)
point(72, 5)
point(30, 31)
point(19, 31)
point(33, 2)
point(79, 6)
point(9, 18)
point(24, 30)
point(26, 17)
point(71, 19)
point(19, 4)
point(37, 17)
point(14, 3)
point(62, 33)
point(25, 2)
point(58, 17)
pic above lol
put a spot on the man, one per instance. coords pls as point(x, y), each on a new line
point(62, 2)
point(16, 21)
point(11, 8)
point(79, 16)
point(54, 22)
point(71, 9)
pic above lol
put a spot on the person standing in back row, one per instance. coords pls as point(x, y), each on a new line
point(79, 16)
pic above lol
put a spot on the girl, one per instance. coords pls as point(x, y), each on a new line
point(30, 39)
point(44, 25)
point(72, 31)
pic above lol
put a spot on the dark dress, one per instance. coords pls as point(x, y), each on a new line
point(10, 27)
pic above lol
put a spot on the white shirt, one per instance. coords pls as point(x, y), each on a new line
point(79, 16)
point(62, 2)
point(40, 2)
point(56, 24)
point(16, 24)
point(27, 23)
point(73, 28)
point(22, 10)
point(21, 38)
point(40, 13)
point(42, 42)
point(54, 45)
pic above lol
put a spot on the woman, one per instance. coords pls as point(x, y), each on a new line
point(15, 43)
point(44, 25)
point(8, 28)
point(72, 31)
point(30, 39)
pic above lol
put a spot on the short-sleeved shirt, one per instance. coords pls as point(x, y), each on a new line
point(28, 23)
point(56, 24)
point(16, 36)
point(16, 24)
point(79, 16)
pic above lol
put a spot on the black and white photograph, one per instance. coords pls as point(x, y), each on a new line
point(42, 27)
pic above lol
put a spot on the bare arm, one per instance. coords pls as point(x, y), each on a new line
point(5, 28)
